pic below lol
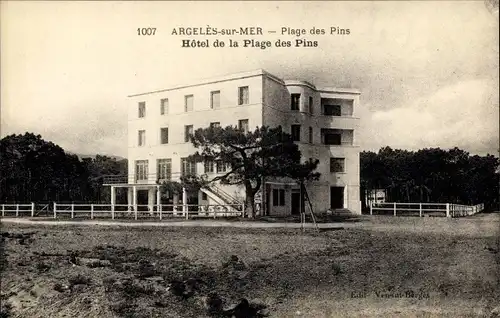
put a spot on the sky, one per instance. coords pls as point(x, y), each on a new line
point(428, 71)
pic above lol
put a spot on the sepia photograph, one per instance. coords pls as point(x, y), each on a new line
point(249, 159)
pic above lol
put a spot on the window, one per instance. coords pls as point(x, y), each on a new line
point(243, 125)
point(332, 110)
point(142, 138)
point(278, 197)
point(141, 170)
point(215, 99)
point(142, 109)
point(204, 196)
point(332, 138)
point(310, 135)
point(164, 106)
point(188, 131)
point(214, 125)
point(188, 167)
point(164, 135)
point(221, 166)
point(243, 95)
point(337, 164)
point(188, 103)
point(311, 105)
point(164, 169)
point(295, 132)
point(295, 101)
point(209, 166)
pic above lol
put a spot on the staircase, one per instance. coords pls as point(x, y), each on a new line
point(220, 196)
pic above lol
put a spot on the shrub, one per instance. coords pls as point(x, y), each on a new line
point(79, 280)
point(108, 283)
point(42, 267)
point(336, 269)
point(133, 290)
point(59, 287)
point(5, 309)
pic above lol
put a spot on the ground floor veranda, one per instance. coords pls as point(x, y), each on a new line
point(275, 198)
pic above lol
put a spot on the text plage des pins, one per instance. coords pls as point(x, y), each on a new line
point(255, 37)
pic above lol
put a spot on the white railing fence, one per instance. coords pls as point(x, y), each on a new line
point(113, 211)
point(457, 210)
point(18, 209)
point(423, 209)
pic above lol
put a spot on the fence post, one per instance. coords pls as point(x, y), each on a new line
point(55, 209)
point(185, 208)
point(243, 211)
point(72, 210)
point(447, 210)
point(215, 213)
point(160, 210)
point(32, 209)
point(112, 211)
point(91, 211)
point(420, 210)
point(394, 208)
point(17, 209)
point(3, 209)
point(371, 208)
point(135, 212)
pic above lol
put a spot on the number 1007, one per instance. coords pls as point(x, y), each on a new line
point(146, 31)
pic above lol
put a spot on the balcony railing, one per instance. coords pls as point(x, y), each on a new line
point(115, 179)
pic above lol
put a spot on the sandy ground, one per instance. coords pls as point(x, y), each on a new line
point(378, 267)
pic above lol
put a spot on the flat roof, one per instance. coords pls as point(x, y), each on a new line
point(248, 74)
point(211, 80)
point(354, 91)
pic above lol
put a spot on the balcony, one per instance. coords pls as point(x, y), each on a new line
point(337, 107)
point(337, 137)
point(338, 113)
point(341, 123)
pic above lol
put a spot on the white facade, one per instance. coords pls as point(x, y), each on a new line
point(267, 100)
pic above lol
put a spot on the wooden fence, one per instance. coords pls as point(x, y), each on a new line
point(18, 209)
point(74, 210)
point(424, 209)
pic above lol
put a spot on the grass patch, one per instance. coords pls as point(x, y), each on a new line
point(200, 272)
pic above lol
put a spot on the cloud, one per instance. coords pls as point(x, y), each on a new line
point(426, 80)
point(464, 114)
point(99, 128)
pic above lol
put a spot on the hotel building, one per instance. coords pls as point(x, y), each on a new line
point(323, 122)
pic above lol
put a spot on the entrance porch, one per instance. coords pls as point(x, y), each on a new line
point(153, 197)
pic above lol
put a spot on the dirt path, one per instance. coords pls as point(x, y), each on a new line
point(191, 223)
point(480, 223)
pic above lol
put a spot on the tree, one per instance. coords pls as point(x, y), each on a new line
point(32, 169)
point(432, 175)
point(190, 183)
point(251, 156)
point(99, 167)
point(36, 170)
